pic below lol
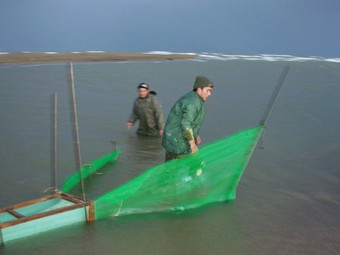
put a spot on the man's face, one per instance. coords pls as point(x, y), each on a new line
point(143, 92)
point(204, 93)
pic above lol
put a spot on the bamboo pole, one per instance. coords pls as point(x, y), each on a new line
point(75, 129)
point(271, 103)
point(274, 95)
point(54, 142)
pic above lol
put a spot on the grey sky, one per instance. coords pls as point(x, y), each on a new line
point(292, 27)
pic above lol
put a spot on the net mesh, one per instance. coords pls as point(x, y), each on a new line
point(210, 175)
point(88, 169)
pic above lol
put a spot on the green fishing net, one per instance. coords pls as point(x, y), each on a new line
point(210, 175)
point(88, 169)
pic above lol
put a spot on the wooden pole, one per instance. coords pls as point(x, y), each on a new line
point(54, 142)
point(274, 95)
point(271, 103)
point(75, 129)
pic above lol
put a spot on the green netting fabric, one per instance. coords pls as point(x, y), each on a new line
point(210, 175)
point(89, 169)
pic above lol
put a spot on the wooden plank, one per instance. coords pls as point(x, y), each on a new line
point(16, 214)
point(43, 224)
point(1, 239)
point(91, 213)
point(44, 214)
point(77, 203)
point(71, 198)
point(27, 203)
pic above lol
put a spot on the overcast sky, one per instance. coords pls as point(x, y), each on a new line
point(284, 27)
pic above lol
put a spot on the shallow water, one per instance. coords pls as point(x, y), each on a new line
point(288, 199)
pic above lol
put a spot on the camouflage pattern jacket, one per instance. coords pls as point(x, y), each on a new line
point(150, 115)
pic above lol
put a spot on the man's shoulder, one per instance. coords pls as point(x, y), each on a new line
point(189, 97)
point(153, 98)
point(150, 98)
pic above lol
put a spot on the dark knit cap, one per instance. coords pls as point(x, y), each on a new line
point(201, 82)
point(143, 85)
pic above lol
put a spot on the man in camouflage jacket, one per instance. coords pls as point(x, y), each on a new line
point(148, 110)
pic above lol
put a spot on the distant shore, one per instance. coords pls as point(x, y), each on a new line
point(52, 57)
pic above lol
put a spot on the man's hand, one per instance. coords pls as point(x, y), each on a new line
point(193, 146)
point(129, 125)
point(198, 140)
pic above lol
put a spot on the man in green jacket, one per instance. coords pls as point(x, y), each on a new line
point(181, 132)
point(148, 110)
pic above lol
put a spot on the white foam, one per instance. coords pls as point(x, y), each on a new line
point(263, 57)
point(335, 60)
point(95, 51)
point(167, 53)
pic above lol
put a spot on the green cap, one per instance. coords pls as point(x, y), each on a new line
point(201, 82)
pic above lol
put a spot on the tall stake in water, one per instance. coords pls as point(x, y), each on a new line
point(272, 101)
point(54, 142)
point(75, 126)
point(274, 96)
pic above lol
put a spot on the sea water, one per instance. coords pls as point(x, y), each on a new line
point(288, 200)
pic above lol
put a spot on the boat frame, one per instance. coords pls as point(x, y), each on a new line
point(43, 214)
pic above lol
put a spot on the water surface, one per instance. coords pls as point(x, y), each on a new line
point(288, 198)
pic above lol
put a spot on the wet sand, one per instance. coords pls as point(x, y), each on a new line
point(40, 57)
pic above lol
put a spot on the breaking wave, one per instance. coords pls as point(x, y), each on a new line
point(264, 57)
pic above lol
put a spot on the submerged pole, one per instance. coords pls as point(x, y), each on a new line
point(271, 103)
point(274, 96)
point(75, 129)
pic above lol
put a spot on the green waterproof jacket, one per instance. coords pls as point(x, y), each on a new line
point(183, 123)
point(150, 115)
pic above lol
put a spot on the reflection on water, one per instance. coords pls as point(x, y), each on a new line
point(144, 149)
